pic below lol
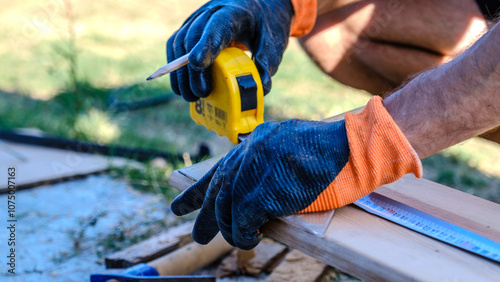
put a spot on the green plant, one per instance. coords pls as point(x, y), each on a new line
point(67, 49)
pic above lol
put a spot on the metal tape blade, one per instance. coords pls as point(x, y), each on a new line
point(429, 225)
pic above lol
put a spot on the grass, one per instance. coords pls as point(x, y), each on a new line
point(117, 45)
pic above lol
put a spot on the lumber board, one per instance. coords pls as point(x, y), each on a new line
point(261, 258)
point(191, 257)
point(37, 165)
point(297, 267)
point(152, 248)
point(372, 248)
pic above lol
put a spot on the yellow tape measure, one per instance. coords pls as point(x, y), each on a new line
point(236, 104)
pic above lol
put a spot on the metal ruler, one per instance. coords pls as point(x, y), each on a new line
point(429, 225)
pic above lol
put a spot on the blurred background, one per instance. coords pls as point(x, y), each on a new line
point(66, 65)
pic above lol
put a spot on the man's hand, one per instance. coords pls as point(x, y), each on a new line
point(263, 26)
point(296, 166)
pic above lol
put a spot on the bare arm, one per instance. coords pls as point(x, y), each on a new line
point(454, 102)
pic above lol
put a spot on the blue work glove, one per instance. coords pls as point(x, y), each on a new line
point(297, 166)
point(263, 26)
point(279, 169)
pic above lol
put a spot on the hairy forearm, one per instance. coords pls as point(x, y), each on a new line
point(454, 102)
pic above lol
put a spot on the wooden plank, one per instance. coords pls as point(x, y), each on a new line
point(372, 248)
point(191, 257)
point(266, 254)
point(152, 248)
point(8, 155)
point(467, 211)
point(38, 165)
point(298, 266)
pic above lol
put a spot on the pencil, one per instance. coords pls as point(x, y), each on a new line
point(170, 67)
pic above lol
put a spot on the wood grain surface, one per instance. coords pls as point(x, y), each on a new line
point(374, 249)
point(36, 165)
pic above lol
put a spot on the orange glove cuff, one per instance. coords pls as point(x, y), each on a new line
point(304, 18)
point(379, 154)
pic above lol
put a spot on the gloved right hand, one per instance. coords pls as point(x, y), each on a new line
point(263, 26)
point(297, 166)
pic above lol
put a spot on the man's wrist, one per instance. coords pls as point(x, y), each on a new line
point(392, 105)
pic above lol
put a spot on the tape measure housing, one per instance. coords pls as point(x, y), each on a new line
point(236, 104)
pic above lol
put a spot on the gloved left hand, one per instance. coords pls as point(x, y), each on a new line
point(296, 166)
point(263, 26)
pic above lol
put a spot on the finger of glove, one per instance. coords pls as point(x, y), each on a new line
point(223, 181)
point(205, 227)
point(267, 59)
point(246, 225)
point(218, 33)
point(171, 53)
point(171, 57)
point(236, 201)
point(192, 198)
point(183, 73)
point(223, 213)
point(200, 80)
